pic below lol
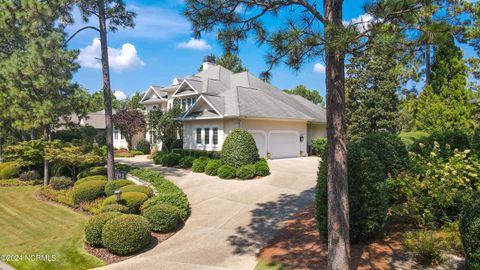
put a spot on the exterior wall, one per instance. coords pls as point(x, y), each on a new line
point(121, 143)
point(317, 131)
point(190, 135)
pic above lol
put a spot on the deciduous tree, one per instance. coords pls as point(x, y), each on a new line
point(312, 95)
point(130, 123)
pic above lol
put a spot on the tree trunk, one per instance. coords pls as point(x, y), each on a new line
point(45, 161)
point(337, 186)
point(107, 94)
point(1, 149)
point(427, 63)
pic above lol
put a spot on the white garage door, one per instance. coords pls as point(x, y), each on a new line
point(260, 140)
point(283, 145)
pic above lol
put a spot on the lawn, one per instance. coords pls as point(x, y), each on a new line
point(32, 227)
point(408, 138)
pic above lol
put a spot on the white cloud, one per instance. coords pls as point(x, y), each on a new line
point(195, 44)
point(318, 68)
point(120, 95)
point(362, 22)
point(120, 59)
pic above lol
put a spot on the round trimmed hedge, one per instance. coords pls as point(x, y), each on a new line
point(186, 162)
point(171, 159)
point(239, 149)
point(88, 191)
point(126, 234)
point(91, 178)
point(469, 226)
point(100, 170)
point(9, 170)
point(136, 188)
point(246, 171)
point(132, 200)
point(261, 168)
point(115, 208)
point(199, 164)
point(94, 227)
point(60, 182)
point(178, 200)
point(162, 217)
point(212, 167)
point(157, 157)
point(116, 184)
point(226, 172)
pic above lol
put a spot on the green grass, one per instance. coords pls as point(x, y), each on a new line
point(32, 227)
point(264, 265)
point(408, 138)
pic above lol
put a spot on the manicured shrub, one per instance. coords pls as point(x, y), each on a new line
point(88, 191)
point(368, 193)
point(197, 153)
point(319, 145)
point(246, 171)
point(114, 208)
point(132, 200)
point(186, 162)
point(470, 230)
point(143, 146)
point(135, 152)
point(116, 184)
point(171, 159)
point(94, 227)
point(157, 157)
point(212, 167)
point(239, 149)
point(199, 164)
point(91, 178)
point(60, 182)
point(9, 170)
point(390, 150)
point(136, 188)
point(99, 170)
point(178, 200)
point(261, 168)
point(226, 172)
point(161, 184)
point(29, 176)
point(126, 234)
point(162, 217)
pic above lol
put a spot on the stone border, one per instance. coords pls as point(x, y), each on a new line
point(141, 182)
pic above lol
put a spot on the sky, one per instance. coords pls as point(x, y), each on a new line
point(161, 47)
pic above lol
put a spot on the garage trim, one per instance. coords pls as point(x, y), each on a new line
point(297, 135)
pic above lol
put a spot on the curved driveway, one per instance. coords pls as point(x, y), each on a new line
point(231, 220)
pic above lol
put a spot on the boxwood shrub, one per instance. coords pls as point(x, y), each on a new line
point(199, 164)
point(94, 227)
point(261, 168)
point(157, 157)
point(9, 170)
point(114, 208)
point(186, 162)
point(116, 184)
point(470, 231)
point(212, 167)
point(246, 171)
point(368, 193)
point(162, 217)
point(60, 182)
point(91, 178)
point(99, 170)
point(178, 200)
point(239, 149)
point(171, 159)
point(226, 172)
point(88, 191)
point(136, 188)
point(126, 234)
point(132, 200)
point(197, 153)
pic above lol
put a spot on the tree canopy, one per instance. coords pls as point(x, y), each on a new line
point(312, 95)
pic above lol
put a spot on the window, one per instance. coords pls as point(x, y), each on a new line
point(184, 104)
point(215, 136)
point(207, 136)
point(115, 134)
point(199, 136)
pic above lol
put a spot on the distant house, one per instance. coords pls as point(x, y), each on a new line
point(216, 100)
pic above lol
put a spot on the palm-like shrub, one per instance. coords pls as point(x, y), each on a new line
point(162, 217)
point(239, 149)
point(126, 234)
point(94, 227)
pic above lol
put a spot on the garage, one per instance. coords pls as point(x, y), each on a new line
point(261, 141)
point(283, 144)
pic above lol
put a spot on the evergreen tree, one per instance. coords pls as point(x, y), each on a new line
point(445, 103)
point(229, 61)
point(312, 95)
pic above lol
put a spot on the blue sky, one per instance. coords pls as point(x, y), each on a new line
point(160, 48)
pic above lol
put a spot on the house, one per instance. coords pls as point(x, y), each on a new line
point(216, 100)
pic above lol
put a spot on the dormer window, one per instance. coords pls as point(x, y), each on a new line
point(187, 103)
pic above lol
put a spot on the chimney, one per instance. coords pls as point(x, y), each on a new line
point(208, 61)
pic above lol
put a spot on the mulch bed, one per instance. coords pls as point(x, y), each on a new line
point(297, 245)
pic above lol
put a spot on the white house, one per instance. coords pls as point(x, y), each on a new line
point(216, 100)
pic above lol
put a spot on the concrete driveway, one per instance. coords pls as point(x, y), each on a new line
point(231, 219)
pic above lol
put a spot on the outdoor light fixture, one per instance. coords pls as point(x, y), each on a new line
point(118, 194)
point(301, 138)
